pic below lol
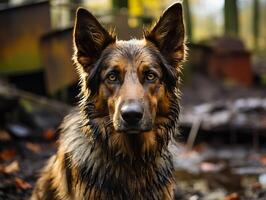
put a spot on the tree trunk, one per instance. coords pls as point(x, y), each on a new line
point(118, 4)
point(256, 18)
point(188, 21)
point(231, 17)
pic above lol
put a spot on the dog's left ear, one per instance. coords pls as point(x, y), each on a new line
point(168, 34)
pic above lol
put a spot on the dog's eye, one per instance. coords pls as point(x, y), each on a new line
point(150, 76)
point(112, 77)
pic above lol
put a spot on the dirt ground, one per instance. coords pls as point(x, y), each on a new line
point(20, 163)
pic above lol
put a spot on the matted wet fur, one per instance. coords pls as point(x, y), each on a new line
point(115, 144)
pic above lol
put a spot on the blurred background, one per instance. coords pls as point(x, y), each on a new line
point(221, 152)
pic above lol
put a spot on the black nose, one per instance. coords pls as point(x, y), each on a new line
point(132, 112)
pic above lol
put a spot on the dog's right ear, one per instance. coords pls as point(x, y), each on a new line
point(168, 34)
point(90, 38)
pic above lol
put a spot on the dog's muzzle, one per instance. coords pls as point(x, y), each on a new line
point(132, 118)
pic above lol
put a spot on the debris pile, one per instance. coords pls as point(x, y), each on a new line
point(240, 114)
point(213, 173)
point(27, 139)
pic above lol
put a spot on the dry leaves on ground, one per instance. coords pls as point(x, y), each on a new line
point(7, 154)
point(22, 184)
point(36, 148)
point(4, 136)
point(13, 167)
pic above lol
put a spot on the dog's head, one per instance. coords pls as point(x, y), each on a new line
point(130, 86)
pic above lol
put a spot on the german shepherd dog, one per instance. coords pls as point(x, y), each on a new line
point(115, 145)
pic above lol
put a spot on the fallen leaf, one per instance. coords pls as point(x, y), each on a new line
point(4, 136)
point(263, 159)
point(211, 167)
point(49, 134)
point(200, 147)
point(233, 196)
point(22, 184)
point(256, 186)
point(36, 148)
point(7, 154)
point(11, 168)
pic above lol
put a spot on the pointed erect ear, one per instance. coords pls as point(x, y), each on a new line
point(168, 34)
point(90, 38)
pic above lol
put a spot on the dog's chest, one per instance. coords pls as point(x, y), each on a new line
point(125, 181)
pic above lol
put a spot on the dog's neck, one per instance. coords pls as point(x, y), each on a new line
point(99, 168)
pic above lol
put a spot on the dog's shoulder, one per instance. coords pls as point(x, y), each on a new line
point(74, 135)
point(71, 124)
point(73, 118)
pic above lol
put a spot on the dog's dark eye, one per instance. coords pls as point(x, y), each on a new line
point(150, 76)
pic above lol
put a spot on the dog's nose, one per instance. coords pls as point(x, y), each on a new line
point(132, 112)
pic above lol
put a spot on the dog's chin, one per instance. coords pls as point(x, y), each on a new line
point(132, 131)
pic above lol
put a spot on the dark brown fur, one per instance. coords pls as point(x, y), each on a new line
point(100, 156)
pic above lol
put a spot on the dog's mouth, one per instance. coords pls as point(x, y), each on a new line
point(131, 118)
point(133, 129)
